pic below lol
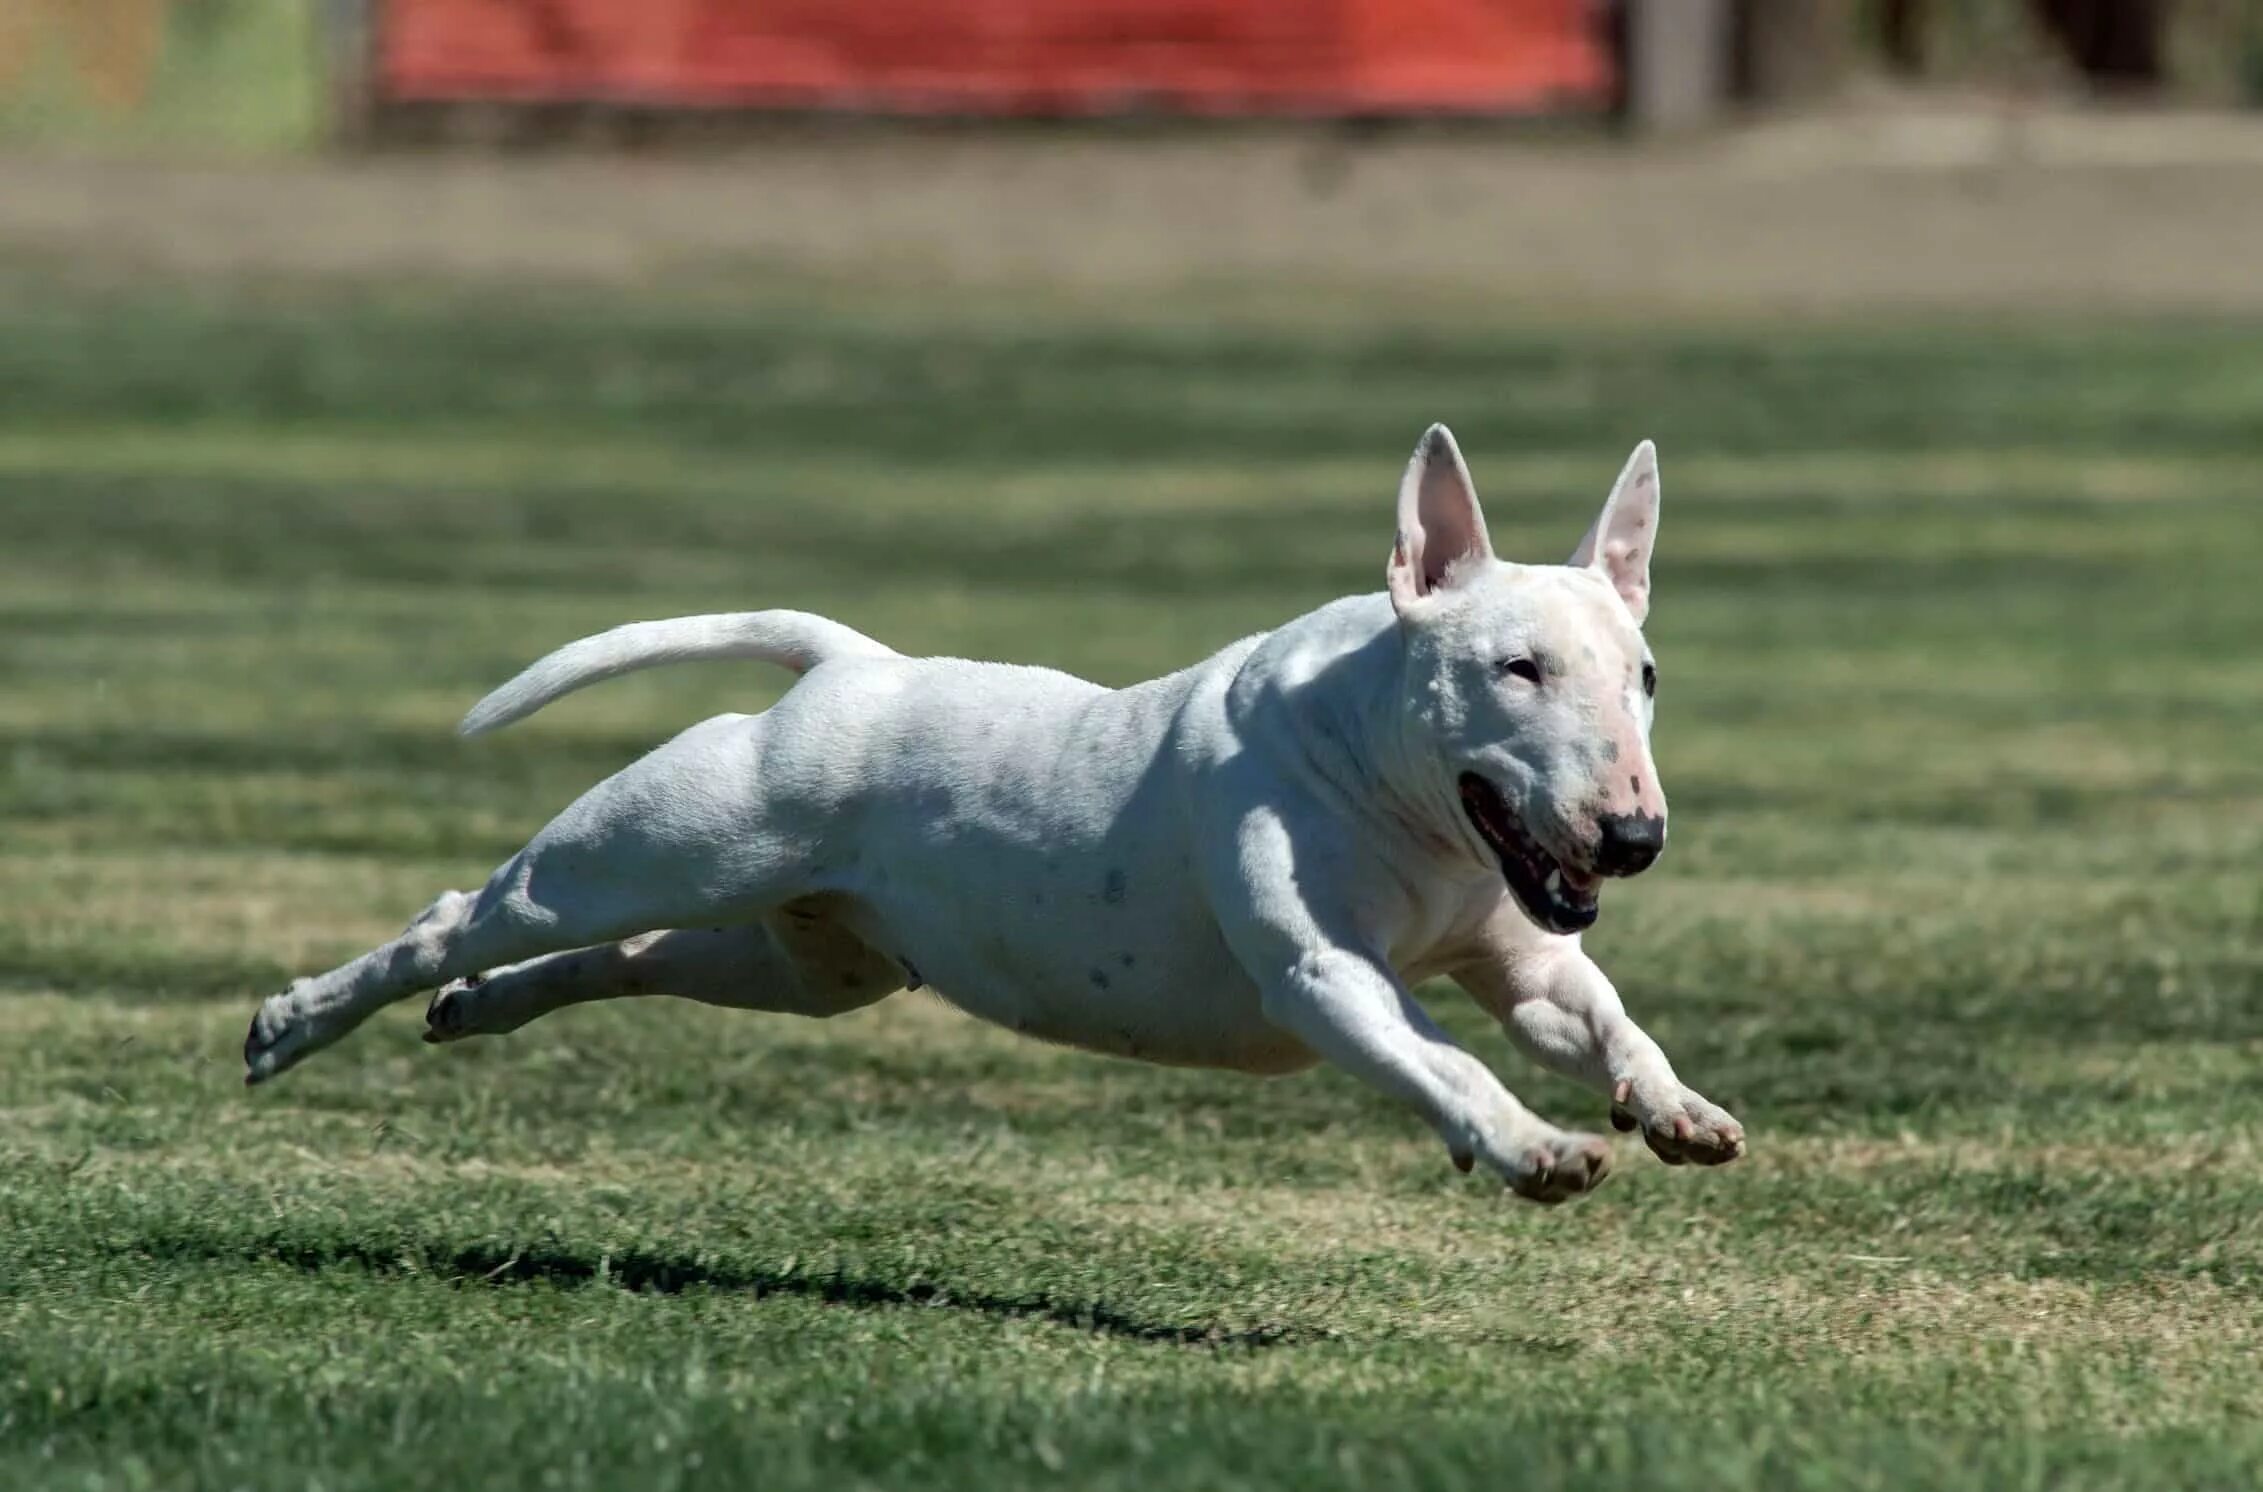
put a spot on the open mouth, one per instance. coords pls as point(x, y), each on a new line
point(1560, 899)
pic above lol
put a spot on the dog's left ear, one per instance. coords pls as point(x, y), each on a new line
point(1442, 538)
point(1618, 546)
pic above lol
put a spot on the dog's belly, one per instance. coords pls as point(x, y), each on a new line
point(1086, 961)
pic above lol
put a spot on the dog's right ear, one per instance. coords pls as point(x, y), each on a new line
point(1442, 538)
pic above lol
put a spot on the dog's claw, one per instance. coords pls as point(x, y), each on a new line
point(444, 1014)
point(1566, 1168)
point(1622, 1119)
point(1691, 1131)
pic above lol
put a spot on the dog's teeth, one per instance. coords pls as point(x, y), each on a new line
point(1555, 883)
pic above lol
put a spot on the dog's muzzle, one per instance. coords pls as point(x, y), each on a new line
point(1557, 897)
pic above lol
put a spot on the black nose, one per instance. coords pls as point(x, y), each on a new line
point(1631, 841)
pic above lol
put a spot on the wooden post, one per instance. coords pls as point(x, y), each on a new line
point(1677, 62)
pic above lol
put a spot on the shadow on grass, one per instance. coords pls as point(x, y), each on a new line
point(648, 1271)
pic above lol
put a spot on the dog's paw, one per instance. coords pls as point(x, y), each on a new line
point(281, 1036)
point(449, 1016)
point(1554, 1165)
point(1680, 1126)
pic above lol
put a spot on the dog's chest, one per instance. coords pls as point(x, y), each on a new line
point(1447, 928)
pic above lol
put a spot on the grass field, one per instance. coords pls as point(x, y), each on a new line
point(1962, 722)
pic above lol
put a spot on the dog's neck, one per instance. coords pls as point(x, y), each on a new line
point(1336, 677)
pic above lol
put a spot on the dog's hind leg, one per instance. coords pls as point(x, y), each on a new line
point(795, 961)
point(685, 836)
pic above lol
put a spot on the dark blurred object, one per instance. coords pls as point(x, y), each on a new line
point(1790, 51)
point(1901, 35)
point(2118, 44)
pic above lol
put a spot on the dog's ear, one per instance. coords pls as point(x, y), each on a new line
point(1618, 546)
point(1442, 538)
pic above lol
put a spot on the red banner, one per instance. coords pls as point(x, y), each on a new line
point(1002, 56)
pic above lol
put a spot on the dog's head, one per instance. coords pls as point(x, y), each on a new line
point(1530, 687)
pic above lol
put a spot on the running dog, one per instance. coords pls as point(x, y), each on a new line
point(1246, 864)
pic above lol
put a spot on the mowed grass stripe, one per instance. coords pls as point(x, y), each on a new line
point(908, 383)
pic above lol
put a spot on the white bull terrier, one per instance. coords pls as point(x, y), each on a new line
point(1243, 865)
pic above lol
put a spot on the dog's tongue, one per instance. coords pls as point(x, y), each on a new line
point(1582, 885)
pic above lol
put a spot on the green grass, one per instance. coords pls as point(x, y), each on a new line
point(1962, 721)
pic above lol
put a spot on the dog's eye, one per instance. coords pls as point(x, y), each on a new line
point(1523, 668)
point(1650, 680)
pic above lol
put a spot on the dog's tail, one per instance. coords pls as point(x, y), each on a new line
point(793, 639)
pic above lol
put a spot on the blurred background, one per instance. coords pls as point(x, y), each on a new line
point(1693, 154)
point(282, 75)
point(353, 354)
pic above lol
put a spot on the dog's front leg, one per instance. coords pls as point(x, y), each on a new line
point(1353, 1011)
point(1561, 1008)
point(1286, 885)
